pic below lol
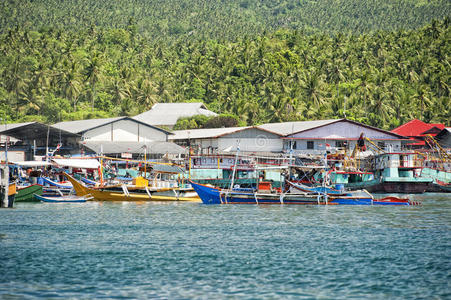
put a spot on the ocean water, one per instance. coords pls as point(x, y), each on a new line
point(194, 251)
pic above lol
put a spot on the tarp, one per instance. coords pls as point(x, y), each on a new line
point(77, 163)
point(155, 147)
point(31, 163)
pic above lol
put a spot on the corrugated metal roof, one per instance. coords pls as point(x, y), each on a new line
point(13, 125)
point(203, 133)
point(169, 113)
point(84, 125)
point(4, 127)
point(133, 147)
point(287, 128)
point(35, 130)
point(81, 126)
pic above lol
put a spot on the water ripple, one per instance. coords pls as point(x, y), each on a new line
point(194, 251)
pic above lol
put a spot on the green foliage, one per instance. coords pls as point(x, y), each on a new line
point(224, 120)
point(191, 122)
point(384, 78)
point(200, 19)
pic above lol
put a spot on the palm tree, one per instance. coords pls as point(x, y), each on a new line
point(72, 85)
point(16, 81)
point(93, 73)
point(313, 89)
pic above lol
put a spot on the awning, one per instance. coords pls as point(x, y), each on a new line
point(31, 163)
point(77, 163)
point(107, 147)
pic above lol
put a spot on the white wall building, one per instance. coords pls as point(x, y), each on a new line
point(122, 135)
point(220, 140)
point(307, 137)
point(121, 129)
point(316, 136)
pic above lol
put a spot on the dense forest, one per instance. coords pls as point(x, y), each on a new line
point(223, 19)
point(259, 73)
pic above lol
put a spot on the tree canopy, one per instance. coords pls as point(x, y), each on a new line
point(380, 77)
point(223, 19)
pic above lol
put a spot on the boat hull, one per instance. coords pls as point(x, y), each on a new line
point(60, 199)
point(213, 195)
point(391, 187)
point(25, 194)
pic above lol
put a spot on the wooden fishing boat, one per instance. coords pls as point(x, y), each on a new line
point(11, 193)
point(25, 193)
point(443, 186)
point(214, 195)
point(356, 197)
point(61, 199)
point(132, 193)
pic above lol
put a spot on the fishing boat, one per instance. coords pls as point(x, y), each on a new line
point(62, 199)
point(122, 192)
point(25, 193)
point(443, 186)
point(305, 195)
point(7, 188)
point(10, 191)
point(215, 195)
point(398, 172)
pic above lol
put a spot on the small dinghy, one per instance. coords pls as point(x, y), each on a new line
point(61, 199)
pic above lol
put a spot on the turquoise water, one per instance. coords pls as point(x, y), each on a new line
point(194, 251)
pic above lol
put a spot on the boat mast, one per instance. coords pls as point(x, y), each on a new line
point(47, 144)
point(234, 165)
point(145, 161)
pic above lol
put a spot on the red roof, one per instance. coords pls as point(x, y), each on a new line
point(415, 128)
point(438, 125)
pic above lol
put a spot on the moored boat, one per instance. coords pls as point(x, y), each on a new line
point(214, 195)
point(61, 199)
point(393, 173)
point(25, 193)
point(443, 186)
point(133, 193)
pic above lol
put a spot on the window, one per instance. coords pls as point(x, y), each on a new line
point(310, 145)
point(340, 144)
point(381, 145)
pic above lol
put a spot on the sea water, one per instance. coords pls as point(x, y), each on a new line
point(194, 251)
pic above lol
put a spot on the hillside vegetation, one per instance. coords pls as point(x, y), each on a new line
point(380, 78)
point(223, 19)
point(381, 62)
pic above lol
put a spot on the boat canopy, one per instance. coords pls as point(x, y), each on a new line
point(77, 163)
point(32, 163)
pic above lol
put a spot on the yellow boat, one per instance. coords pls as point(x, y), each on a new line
point(133, 193)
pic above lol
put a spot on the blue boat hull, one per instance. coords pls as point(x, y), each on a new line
point(213, 195)
point(60, 199)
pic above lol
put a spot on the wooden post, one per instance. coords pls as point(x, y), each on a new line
point(4, 180)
